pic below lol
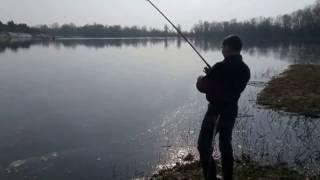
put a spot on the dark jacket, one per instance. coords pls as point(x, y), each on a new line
point(225, 82)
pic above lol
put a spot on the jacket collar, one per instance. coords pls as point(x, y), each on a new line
point(233, 57)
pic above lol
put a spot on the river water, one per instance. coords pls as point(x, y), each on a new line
point(123, 108)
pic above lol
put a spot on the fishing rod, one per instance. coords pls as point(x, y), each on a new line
point(180, 33)
point(251, 83)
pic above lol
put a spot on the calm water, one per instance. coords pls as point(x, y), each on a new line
point(117, 109)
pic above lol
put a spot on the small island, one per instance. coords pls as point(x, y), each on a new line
point(296, 90)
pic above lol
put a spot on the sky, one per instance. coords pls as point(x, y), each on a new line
point(139, 12)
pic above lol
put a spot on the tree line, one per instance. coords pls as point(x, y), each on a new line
point(302, 24)
point(11, 26)
point(89, 30)
point(99, 30)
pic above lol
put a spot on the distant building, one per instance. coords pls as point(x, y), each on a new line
point(20, 36)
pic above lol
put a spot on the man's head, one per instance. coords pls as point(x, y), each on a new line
point(231, 45)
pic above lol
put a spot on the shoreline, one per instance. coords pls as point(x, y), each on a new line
point(296, 90)
point(244, 169)
point(7, 37)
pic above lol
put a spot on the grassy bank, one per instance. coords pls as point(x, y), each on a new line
point(296, 90)
point(244, 170)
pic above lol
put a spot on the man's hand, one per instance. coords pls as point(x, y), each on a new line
point(202, 84)
point(207, 70)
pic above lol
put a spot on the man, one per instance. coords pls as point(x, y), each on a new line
point(223, 85)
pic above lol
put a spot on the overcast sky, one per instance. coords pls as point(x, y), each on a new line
point(139, 12)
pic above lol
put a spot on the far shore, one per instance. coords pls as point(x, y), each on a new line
point(11, 36)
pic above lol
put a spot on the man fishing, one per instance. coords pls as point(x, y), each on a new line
point(223, 85)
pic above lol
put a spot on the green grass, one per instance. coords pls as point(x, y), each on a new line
point(296, 90)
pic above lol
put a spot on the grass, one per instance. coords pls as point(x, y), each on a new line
point(296, 90)
point(244, 169)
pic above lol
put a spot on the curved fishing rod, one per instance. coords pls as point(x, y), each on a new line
point(181, 34)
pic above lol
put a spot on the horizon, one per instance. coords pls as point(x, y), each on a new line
point(142, 14)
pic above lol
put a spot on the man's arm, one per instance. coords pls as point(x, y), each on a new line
point(205, 82)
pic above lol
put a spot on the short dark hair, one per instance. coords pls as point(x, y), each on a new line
point(233, 41)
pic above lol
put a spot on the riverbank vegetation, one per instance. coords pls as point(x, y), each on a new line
point(13, 27)
point(89, 30)
point(244, 169)
point(301, 25)
point(99, 30)
point(21, 32)
point(295, 90)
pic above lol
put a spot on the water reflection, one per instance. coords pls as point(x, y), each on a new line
point(90, 43)
point(297, 53)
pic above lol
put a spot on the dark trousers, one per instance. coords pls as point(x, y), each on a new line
point(227, 116)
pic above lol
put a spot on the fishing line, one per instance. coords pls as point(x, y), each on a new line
point(180, 33)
